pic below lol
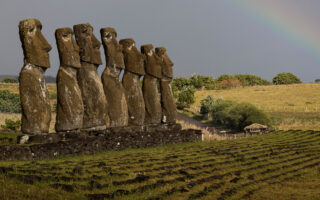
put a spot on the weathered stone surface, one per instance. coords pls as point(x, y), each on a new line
point(150, 89)
point(35, 46)
point(152, 61)
point(36, 110)
point(167, 63)
point(133, 59)
point(34, 97)
point(15, 153)
point(134, 96)
point(99, 141)
point(67, 48)
point(167, 100)
point(69, 105)
point(134, 68)
point(94, 99)
point(113, 88)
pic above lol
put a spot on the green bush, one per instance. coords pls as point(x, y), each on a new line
point(179, 83)
point(9, 80)
point(185, 97)
point(9, 102)
point(236, 116)
point(317, 80)
point(251, 80)
point(53, 96)
point(11, 125)
point(206, 104)
point(285, 78)
point(224, 77)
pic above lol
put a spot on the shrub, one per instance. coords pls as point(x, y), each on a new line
point(237, 115)
point(230, 83)
point(285, 78)
point(11, 125)
point(9, 80)
point(179, 83)
point(317, 80)
point(9, 102)
point(206, 104)
point(251, 80)
point(53, 96)
point(185, 97)
point(224, 77)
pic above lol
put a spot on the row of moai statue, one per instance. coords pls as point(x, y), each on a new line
point(84, 101)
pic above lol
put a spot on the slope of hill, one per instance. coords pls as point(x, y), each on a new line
point(294, 106)
point(278, 165)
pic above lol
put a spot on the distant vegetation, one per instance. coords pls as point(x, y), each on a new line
point(317, 80)
point(225, 81)
point(9, 80)
point(285, 78)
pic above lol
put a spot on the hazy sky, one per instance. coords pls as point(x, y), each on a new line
point(208, 37)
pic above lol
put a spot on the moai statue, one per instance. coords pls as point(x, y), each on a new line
point(69, 106)
point(36, 109)
point(94, 100)
point(167, 100)
point(134, 69)
point(150, 89)
point(113, 89)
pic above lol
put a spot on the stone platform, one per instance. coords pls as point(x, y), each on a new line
point(96, 141)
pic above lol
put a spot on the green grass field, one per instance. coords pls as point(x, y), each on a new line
point(278, 165)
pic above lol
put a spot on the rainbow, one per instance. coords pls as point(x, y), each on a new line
point(285, 19)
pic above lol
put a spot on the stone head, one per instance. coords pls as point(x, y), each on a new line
point(147, 49)
point(133, 59)
point(152, 62)
point(89, 45)
point(67, 48)
point(35, 46)
point(167, 64)
point(108, 35)
point(112, 49)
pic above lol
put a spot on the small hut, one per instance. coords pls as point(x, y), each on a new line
point(256, 129)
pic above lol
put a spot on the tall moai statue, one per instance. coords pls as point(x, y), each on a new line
point(167, 100)
point(151, 93)
point(134, 69)
point(69, 106)
point(94, 100)
point(113, 88)
point(36, 109)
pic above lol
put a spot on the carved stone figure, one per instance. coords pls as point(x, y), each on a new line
point(94, 100)
point(167, 100)
point(134, 69)
point(150, 89)
point(113, 89)
point(69, 106)
point(36, 110)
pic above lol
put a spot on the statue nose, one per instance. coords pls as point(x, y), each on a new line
point(95, 42)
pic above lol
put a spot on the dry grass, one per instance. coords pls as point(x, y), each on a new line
point(15, 117)
point(14, 87)
point(273, 98)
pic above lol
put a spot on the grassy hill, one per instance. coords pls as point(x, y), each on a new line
point(279, 165)
point(294, 106)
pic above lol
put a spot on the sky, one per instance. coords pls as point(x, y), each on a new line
point(207, 37)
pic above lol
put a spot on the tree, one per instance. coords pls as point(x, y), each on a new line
point(206, 104)
point(185, 97)
point(317, 80)
point(285, 78)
